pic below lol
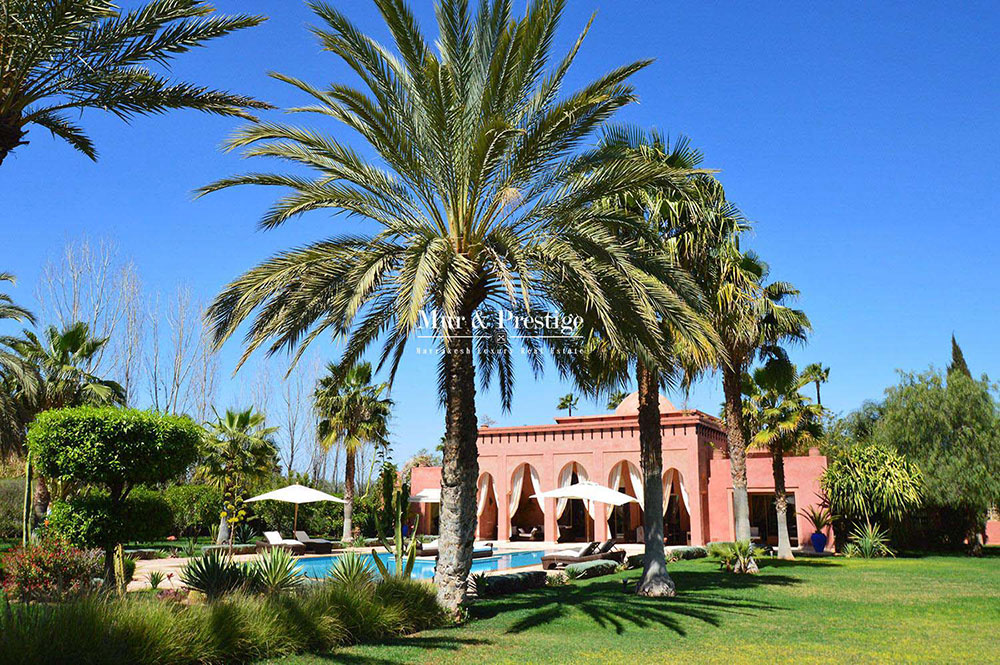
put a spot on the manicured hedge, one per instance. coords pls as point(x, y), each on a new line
point(579, 571)
point(88, 521)
point(689, 552)
point(500, 585)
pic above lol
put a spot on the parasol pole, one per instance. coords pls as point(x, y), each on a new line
point(295, 522)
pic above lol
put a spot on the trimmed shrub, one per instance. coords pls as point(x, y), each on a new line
point(633, 561)
point(49, 570)
point(579, 571)
point(195, 508)
point(689, 552)
point(501, 585)
point(89, 521)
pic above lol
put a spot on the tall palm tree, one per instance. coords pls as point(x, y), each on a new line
point(779, 418)
point(603, 366)
point(59, 57)
point(352, 413)
point(238, 451)
point(481, 201)
point(15, 374)
point(816, 373)
point(60, 358)
point(568, 403)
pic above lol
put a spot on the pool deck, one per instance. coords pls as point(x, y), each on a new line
point(175, 565)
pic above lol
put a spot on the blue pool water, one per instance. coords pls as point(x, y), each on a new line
point(423, 569)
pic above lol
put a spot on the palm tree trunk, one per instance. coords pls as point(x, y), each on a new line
point(11, 136)
point(737, 451)
point(819, 402)
point(460, 470)
point(348, 495)
point(42, 498)
point(655, 579)
point(781, 502)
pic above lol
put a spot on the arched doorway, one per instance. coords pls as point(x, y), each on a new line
point(625, 522)
point(676, 518)
point(574, 517)
point(527, 519)
point(486, 508)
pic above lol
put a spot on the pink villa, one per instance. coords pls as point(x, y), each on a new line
point(517, 462)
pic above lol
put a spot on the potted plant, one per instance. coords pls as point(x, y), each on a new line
point(820, 518)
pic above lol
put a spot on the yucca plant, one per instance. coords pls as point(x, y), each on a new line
point(352, 571)
point(820, 517)
point(871, 541)
point(273, 572)
point(155, 579)
point(213, 574)
point(59, 57)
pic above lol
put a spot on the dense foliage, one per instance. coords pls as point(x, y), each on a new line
point(577, 571)
point(194, 508)
point(90, 520)
point(114, 448)
point(501, 585)
point(50, 570)
point(949, 426)
point(239, 628)
point(870, 480)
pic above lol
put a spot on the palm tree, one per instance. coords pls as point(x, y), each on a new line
point(816, 373)
point(602, 365)
point(238, 451)
point(352, 413)
point(14, 373)
point(778, 417)
point(748, 315)
point(59, 360)
point(615, 398)
point(568, 402)
point(59, 57)
point(483, 203)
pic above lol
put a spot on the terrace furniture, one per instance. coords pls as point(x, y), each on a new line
point(274, 540)
point(519, 533)
point(588, 552)
point(479, 550)
point(314, 545)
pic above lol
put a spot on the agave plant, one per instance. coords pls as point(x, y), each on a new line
point(155, 579)
point(274, 572)
point(352, 572)
point(213, 575)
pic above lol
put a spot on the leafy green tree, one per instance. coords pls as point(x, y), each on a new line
point(237, 452)
point(478, 200)
point(60, 359)
point(868, 481)
point(568, 403)
point(114, 449)
point(817, 374)
point(949, 426)
point(779, 418)
point(958, 363)
point(59, 57)
point(352, 413)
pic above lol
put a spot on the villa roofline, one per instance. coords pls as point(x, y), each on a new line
point(608, 421)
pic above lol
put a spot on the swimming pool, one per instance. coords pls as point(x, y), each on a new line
point(423, 569)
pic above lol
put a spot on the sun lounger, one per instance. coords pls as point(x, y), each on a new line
point(314, 545)
point(479, 550)
point(588, 552)
point(274, 540)
point(536, 533)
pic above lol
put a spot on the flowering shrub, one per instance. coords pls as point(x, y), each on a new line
point(50, 570)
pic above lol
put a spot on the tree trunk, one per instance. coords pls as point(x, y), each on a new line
point(460, 469)
point(737, 451)
point(42, 498)
point(348, 534)
point(223, 536)
point(655, 578)
point(819, 402)
point(26, 516)
point(781, 502)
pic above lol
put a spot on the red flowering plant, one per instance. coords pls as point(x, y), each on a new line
point(49, 570)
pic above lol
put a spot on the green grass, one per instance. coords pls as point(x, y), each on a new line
point(922, 609)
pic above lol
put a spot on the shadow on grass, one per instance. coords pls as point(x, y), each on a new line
point(700, 597)
point(415, 641)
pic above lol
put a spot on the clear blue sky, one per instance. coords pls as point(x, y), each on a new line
point(862, 138)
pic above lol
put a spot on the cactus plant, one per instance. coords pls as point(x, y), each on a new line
point(395, 501)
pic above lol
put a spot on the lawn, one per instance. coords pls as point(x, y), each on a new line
point(921, 609)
